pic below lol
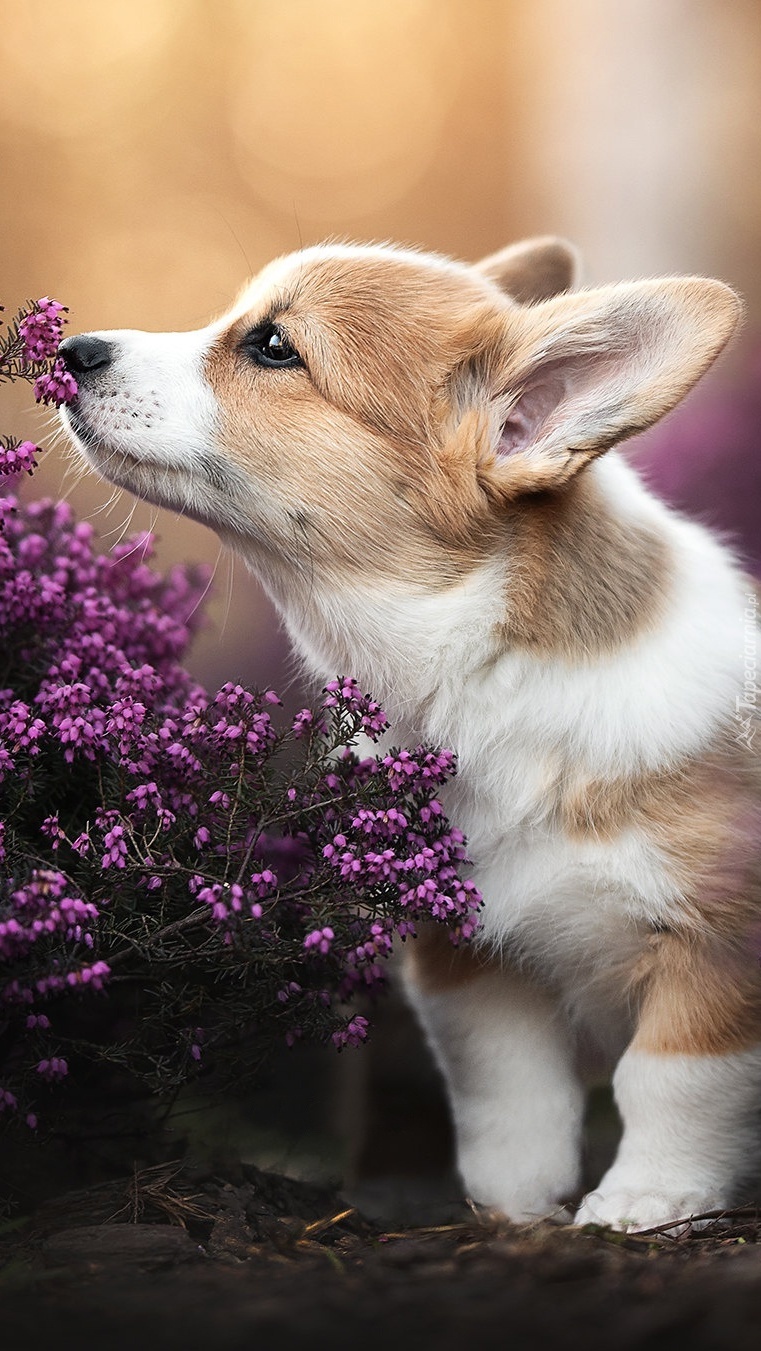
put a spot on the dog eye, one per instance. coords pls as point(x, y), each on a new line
point(269, 346)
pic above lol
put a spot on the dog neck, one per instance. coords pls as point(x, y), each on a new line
point(575, 577)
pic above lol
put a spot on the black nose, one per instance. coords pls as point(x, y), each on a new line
point(85, 353)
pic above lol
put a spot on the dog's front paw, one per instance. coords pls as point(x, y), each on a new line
point(525, 1210)
point(632, 1209)
point(521, 1199)
point(522, 1210)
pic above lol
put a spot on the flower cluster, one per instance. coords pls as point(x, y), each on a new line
point(41, 330)
point(28, 351)
point(56, 385)
point(187, 879)
point(346, 694)
point(157, 837)
point(18, 457)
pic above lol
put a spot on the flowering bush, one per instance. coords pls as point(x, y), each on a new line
point(28, 352)
point(184, 882)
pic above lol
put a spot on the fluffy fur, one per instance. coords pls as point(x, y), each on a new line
point(426, 497)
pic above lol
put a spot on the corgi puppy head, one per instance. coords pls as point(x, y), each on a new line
point(376, 413)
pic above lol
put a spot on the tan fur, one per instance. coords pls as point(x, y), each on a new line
point(363, 421)
point(435, 964)
point(700, 983)
point(704, 815)
point(584, 582)
point(698, 996)
point(533, 270)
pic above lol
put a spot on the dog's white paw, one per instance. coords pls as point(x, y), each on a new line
point(521, 1199)
point(632, 1209)
point(533, 1210)
point(525, 1210)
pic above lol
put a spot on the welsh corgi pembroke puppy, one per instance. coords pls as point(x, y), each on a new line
point(418, 459)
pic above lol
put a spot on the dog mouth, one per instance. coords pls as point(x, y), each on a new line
point(73, 415)
point(143, 470)
point(115, 462)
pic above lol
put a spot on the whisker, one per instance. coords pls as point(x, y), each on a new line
point(230, 587)
point(209, 585)
point(125, 526)
point(303, 545)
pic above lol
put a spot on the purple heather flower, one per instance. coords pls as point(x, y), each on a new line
point(51, 827)
point(53, 1069)
point(292, 988)
point(264, 883)
point(302, 722)
point(373, 719)
point(95, 975)
point(401, 768)
point(18, 459)
point(319, 940)
point(116, 848)
point(353, 1034)
point(41, 330)
point(210, 895)
point(57, 386)
point(48, 985)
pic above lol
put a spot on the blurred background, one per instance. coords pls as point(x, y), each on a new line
point(155, 152)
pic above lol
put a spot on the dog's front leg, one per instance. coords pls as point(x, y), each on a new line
point(688, 1089)
point(507, 1059)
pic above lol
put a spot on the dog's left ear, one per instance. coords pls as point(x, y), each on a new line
point(534, 269)
point(563, 381)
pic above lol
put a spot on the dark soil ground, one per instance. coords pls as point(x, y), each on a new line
point(192, 1248)
point(179, 1259)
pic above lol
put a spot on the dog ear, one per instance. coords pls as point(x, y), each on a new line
point(534, 269)
point(571, 377)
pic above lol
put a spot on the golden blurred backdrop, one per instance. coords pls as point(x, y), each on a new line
point(155, 152)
